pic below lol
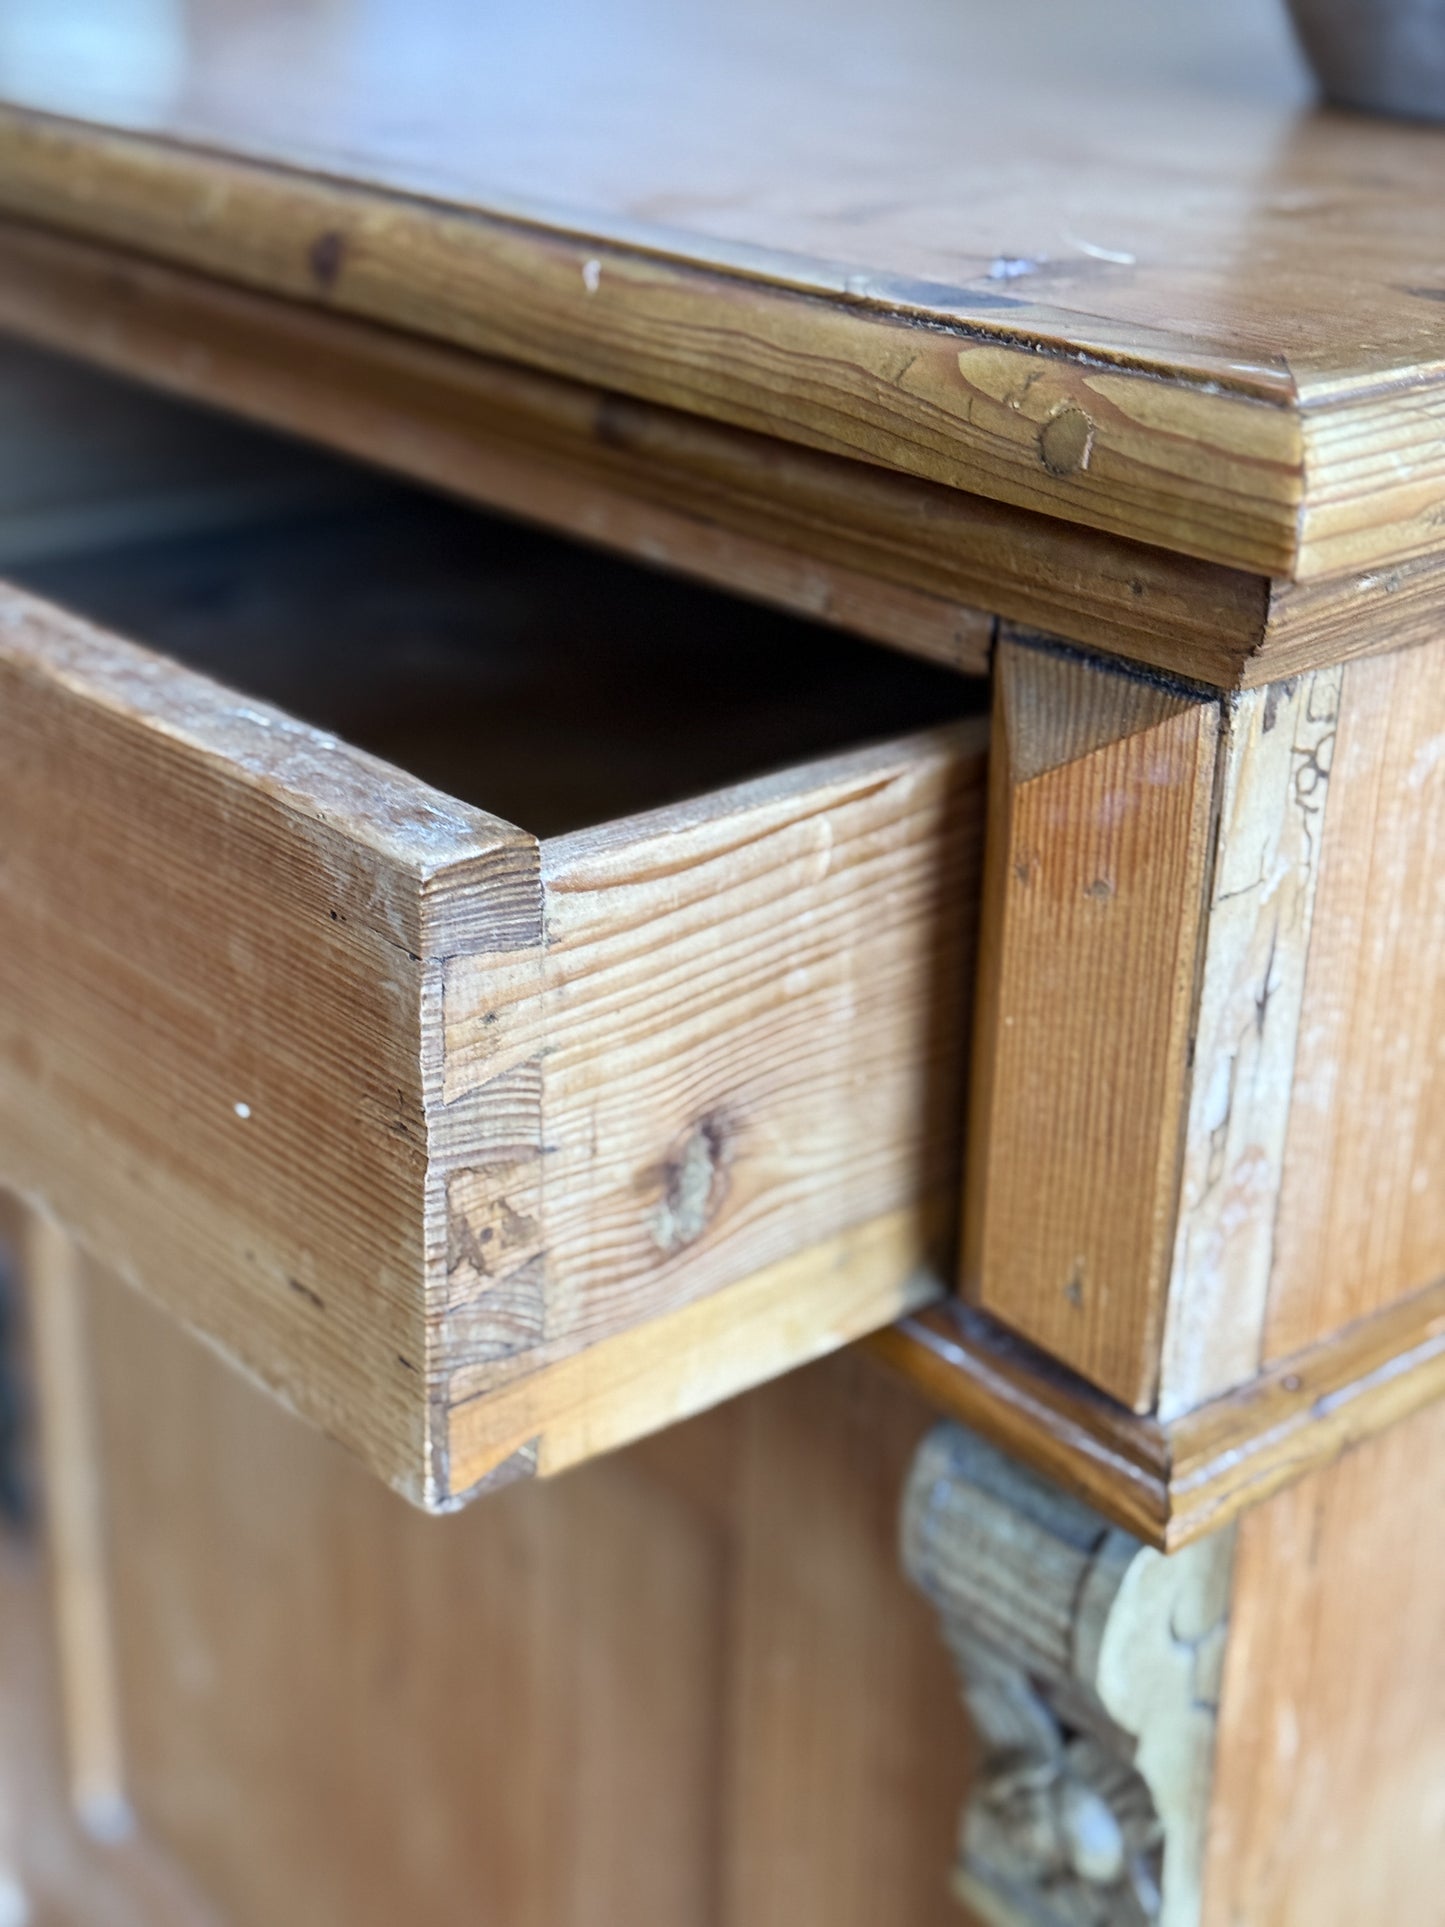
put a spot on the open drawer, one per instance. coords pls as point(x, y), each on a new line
point(486, 1141)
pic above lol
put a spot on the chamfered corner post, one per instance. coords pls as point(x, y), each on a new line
point(1101, 805)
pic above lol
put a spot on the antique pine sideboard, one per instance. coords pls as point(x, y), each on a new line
point(1042, 1014)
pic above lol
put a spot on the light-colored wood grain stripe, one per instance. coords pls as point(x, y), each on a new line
point(662, 1371)
point(1273, 790)
point(75, 1527)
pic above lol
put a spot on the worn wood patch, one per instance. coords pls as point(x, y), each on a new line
point(1274, 784)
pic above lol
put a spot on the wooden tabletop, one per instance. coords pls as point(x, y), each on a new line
point(1106, 260)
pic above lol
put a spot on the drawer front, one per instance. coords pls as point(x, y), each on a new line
point(483, 1152)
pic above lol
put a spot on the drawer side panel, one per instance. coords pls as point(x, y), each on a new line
point(750, 1075)
point(210, 990)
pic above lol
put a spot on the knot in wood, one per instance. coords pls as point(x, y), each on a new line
point(1066, 440)
point(693, 1181)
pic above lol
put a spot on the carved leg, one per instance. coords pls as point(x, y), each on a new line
point(1090, 1667)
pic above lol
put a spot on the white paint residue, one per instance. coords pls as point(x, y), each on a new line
point(592, 276)
point(242, 1110)
point(1011, 267)
point(1428, 758)
point(1120, 257)
point(822, 863)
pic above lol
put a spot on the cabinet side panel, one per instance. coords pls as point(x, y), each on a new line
point(686, 1685)
point(1362, 1207)
point(1331, 1752)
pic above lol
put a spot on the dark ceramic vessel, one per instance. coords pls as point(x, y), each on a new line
point(1387, 56)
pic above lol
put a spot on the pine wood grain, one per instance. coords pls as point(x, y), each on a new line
point(321, 1057)
point(1303, 1412)
point(1332, 1723)
point(952, 243)
point(723, 980)
point(1042, 431)
point(915, 565)
point(1100, 802)
point(541, 1414)
point(696, 1135)
point(1361, 613)
point(909, 563)
point(166, 1089)
point(838, 541)
point(610, 1700)
point(1303, 1062)
point(1375, 458)
point(1360, 1220)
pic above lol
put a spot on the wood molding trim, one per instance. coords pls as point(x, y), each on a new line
point(912, 563)
point(1214, 470)
point(1255, 466)
point(974, 1370)
point(1172, 1484)
point(908, 562)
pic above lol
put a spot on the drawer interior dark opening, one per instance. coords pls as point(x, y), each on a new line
point(541, 680)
